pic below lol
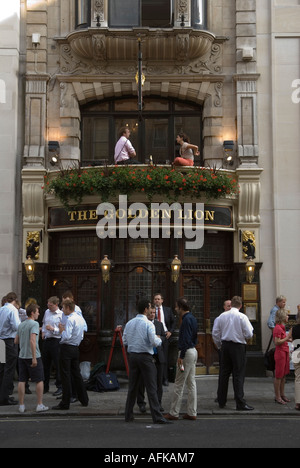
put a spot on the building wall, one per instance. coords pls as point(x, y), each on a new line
point(11, 141)
point(249, 86)
point(279, 122)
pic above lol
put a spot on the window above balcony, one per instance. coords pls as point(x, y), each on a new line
point(140, 13)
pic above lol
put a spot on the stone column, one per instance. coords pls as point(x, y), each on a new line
point(36, 82)
point(246, 78)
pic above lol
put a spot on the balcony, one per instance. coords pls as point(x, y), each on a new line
point(158, 45)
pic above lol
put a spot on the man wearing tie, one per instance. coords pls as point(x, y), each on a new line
point(166, 316)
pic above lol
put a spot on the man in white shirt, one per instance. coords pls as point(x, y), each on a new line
point(51, 338)
point(230, 334)
point(124, 151)
point(71, 336)
point(9, 323)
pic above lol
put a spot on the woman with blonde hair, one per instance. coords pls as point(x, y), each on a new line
point(282, 355)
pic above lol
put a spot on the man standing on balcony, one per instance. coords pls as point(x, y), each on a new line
point(124, 151)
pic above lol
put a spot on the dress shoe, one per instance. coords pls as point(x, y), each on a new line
point(165, 383)
point(9, 402)
point(170, 417)
point(244, 408)
point(163, 421)
point(142, 409)
point(58, 392)
point(191, 418)
point(60, 407)
point(130, 419)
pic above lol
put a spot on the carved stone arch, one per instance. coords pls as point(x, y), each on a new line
point(85, 92)
point(207, 93)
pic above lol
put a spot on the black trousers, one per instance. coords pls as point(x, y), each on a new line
point(70, 372)
point(160, 372)
point(7, 370)
point(50, 354)
point(233, 361)
point(142, 365)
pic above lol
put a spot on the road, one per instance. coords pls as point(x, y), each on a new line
point(113, 433)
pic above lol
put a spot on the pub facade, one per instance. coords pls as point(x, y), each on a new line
point(158, 68)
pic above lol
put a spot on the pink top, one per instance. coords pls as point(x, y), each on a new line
point(123, 149)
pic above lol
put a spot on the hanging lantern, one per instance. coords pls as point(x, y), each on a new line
point(105, 268)
point(175, 268)
point(30, 269)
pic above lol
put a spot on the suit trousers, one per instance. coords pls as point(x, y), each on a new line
point(142, 365)
point(233, 361)
point(7, 370)
point(70, 372)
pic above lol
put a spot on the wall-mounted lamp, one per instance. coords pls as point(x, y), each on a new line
point(105, 266)
point(250, 270)
point(175, 268)
point(30, 269)
point(36, 39)
point(228, 147)
point(54, 150)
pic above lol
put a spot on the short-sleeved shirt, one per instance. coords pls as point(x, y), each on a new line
point(123, 150)
point(25, 330)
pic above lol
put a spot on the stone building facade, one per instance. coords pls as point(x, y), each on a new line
point(223, 63)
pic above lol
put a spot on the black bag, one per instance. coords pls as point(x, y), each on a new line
point(106, 382)
point(269, 357)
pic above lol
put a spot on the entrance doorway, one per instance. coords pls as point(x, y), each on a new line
point(206, 293)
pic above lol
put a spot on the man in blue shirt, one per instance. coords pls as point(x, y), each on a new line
point(140, 339)
point(71, 336)
point(186, 364)
point(280, 304)
point(9, 323)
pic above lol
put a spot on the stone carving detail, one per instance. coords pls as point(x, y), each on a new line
point(99, 10)
point(99, 47)
point(183, 9)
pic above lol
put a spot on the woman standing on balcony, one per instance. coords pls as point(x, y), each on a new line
point(187, 151)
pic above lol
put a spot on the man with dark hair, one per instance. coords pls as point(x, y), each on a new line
point(230, 334)
point(166, 317)
point(140, 338)
point(124, 151)
point(30, 361)
point(186, 364)
point(9, 323)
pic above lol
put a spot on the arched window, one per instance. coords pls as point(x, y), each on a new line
point(153, 133)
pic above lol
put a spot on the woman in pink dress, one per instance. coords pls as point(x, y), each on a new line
point(282, 355)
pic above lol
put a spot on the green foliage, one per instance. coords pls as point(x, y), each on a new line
point(70, 186)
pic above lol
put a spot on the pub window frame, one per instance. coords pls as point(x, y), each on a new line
point(193, 111)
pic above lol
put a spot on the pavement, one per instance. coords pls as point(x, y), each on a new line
point(259, 393)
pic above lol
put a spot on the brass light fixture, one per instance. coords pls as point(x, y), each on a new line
point(30, 269)
point(250, 270)
point(105, 268)
point(175, 268)
point(228, 147)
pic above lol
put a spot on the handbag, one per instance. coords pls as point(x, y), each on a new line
point(106, 382)
point(269, 358)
